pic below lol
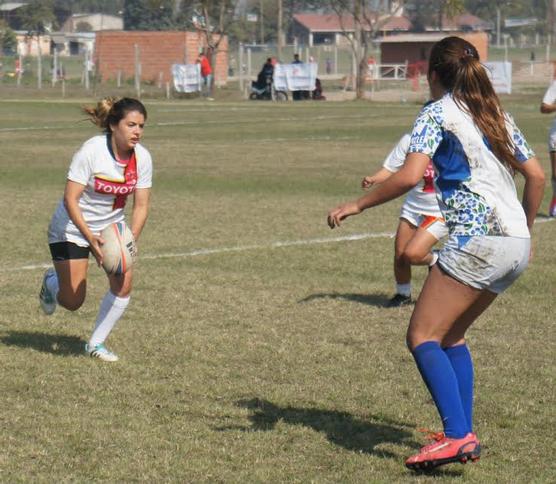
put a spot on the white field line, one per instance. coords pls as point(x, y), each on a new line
point(239, 248)
point(180, 123)
point(245, 248)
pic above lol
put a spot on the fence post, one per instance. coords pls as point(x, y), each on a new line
point(137, 72)
point(240, 66)
point(86, 70)
point(19, 70)
point(249, 64)
point(54, 67)
point(39, 63)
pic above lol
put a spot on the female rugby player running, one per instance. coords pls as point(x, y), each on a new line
point(103, 173)
point(421, 224)
point(475, 148)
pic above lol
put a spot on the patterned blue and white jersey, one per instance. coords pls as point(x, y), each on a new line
point(476, 192)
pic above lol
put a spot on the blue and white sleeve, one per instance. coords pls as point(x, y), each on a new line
point(426, 135)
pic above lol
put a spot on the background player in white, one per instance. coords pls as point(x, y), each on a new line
point(421, 224)
point(103, 173)
point(548, 106)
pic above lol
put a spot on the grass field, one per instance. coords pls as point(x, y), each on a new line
point(251, 361)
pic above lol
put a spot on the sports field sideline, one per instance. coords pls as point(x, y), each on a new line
point(256, 347)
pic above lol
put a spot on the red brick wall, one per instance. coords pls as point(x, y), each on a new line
point(115, 51)
point(398, 53)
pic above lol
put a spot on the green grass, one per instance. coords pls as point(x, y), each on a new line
point(260, 365)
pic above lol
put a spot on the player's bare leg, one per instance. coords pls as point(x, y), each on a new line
point(402, 268)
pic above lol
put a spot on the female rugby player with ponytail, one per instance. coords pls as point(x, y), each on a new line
point(476, 148)
point(113, 162)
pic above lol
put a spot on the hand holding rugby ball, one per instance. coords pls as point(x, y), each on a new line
point(119, 250)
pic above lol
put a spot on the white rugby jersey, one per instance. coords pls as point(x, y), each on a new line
point(477, 192)
point(107, 183)
point(422, 198)
point(550, 98)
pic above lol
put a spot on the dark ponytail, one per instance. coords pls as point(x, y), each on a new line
point(456, 63)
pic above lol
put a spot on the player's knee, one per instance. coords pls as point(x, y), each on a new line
point(71, 304)
point(413, 255)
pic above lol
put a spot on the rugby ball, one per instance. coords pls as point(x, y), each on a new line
point(119, 250)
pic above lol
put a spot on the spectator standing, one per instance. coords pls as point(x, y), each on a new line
point(206, 76)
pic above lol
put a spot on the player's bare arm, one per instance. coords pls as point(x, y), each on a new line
point(395, 186)
point(140, 211)
point(379, 177)
point(548, 108)
point(533, 190)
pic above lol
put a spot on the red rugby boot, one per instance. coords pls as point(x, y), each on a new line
point(445, 450)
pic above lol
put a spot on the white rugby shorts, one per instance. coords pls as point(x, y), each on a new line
point(485, 262)
point(432, 224)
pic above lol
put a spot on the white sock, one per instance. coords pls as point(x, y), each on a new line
point(404, 289)
point(434, 258)
point(111, 310)
point(53, 286)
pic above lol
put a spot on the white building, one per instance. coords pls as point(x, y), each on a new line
point(95, 21)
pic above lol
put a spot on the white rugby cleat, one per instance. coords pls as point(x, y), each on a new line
point(101, 352)
point(46, 298)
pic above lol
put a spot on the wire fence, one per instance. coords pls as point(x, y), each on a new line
point(75, 76)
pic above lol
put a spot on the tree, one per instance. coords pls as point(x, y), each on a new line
point(36, 17)
point(425, 13)
point(366, 24)
point(149, 15)
point(8, 39)
point(83, 27)
point(212, 19)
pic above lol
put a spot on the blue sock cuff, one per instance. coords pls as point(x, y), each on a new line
point(426, 347)
point(457, 350)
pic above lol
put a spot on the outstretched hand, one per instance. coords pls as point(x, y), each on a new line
point(342, 212)
point(368, 182)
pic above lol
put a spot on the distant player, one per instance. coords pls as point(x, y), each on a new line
point(114, 162)
point(548, 106)
point(476, 148)
point(421, 224)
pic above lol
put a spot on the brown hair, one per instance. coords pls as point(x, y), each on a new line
point(111, 110)
point(456, 63)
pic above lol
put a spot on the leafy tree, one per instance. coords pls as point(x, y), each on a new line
point(36, 17)
point(83, 27)
point(365, 27)
point(424, 13)
point(8, 39)
point(149, 15)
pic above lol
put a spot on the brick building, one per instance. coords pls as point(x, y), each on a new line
point(115, 52)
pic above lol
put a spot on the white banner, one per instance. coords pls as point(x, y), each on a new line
point(295, 77)
point(187, 77)
point(500, 74)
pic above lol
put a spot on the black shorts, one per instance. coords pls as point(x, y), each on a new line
point(68, 250)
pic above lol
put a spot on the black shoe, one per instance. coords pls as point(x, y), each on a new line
point(399, 300)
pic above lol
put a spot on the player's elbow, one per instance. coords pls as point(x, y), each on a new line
point(545, 109)
point(536, 176)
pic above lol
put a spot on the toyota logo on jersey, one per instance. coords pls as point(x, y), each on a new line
point(119, 189)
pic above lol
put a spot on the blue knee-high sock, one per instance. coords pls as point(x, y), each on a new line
point(441, 380)
point(461, 361)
